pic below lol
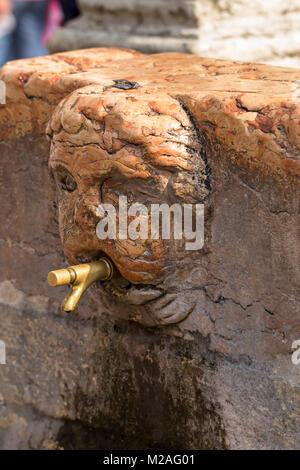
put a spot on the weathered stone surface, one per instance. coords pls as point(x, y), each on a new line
point(262, 31)
point(196, 130)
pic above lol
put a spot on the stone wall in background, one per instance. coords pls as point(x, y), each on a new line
point(261, 31)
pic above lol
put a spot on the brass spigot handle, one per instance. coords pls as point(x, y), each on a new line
point(80, 277)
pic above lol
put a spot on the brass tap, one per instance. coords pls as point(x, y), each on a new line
point(80, 277)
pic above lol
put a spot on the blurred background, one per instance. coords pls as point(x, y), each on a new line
point(259, 31)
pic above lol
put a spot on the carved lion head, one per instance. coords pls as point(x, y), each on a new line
point(111, 143)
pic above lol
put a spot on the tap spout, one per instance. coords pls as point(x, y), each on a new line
point(80, 277)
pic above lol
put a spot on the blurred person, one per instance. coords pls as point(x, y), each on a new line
point(25, 38)
point(70, 9)
point(5, 7)
point(54, 19)
point(7, 19)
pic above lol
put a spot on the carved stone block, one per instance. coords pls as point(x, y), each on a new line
point(177, 129)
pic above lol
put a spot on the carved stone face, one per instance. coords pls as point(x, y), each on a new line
point(109, 145)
